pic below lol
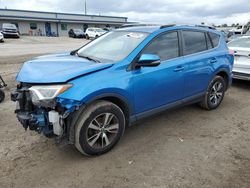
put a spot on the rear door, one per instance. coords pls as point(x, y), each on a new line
point(199, 61)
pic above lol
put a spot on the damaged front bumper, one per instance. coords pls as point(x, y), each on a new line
point(48, 117)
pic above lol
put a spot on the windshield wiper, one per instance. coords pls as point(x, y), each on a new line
point(89, 58)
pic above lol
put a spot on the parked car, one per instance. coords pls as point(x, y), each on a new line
point(1, 37)
point(241, 48)
point(233, 36)
point(88, 97)
point(241, 29)
point(10, 30)
point(76, 33)
point(94, 32)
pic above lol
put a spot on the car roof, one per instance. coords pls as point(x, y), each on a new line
point(94, 28)
point(153, 28)
point(147, 29)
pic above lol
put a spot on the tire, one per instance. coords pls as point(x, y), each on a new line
point(87, 36)
point(96, 36)
point(214, 94)
point(92, 135)
point(2, 96)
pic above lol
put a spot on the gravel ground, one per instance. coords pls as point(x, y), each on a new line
point(186, 147)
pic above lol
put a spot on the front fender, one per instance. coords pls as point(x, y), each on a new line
point(113, 82)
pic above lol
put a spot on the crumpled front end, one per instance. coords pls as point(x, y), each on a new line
point(40, 109)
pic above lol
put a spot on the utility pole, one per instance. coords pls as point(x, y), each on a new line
point(85, 4)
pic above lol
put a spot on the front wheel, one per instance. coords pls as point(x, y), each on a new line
point(214, 94)
point(99, 128)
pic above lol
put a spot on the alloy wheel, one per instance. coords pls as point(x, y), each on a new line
point(102, 130)
point(216, 93)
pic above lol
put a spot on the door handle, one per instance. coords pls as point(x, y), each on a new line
point(179, 68)
point(212, 60)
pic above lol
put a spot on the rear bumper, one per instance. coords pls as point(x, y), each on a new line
point(241, 76)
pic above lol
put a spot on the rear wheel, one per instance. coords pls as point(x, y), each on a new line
point(99, 128)
point(2, 96)
point(214, 94)
point(87, 36)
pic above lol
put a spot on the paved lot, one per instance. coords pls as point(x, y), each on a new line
point(187, 147)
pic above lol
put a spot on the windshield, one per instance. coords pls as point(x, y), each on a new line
point(113, 46)
point(241, 42)
point(100, 30)
point(78, 30)
point(12, 26)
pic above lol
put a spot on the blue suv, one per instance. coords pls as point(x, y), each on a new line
point(88, 96)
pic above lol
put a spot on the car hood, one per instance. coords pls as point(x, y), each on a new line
point(79, 33)
point(57, 68)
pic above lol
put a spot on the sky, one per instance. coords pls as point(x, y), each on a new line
point(147, 11)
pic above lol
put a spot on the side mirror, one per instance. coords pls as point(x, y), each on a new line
point(148, 60)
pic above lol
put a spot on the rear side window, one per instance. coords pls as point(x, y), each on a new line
point(194, 42)
point(166, 46)
point(209, 42)
point(215, 39)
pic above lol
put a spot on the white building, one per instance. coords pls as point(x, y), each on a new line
point(52, 23)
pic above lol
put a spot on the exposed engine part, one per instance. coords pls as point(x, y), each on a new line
point(30, 116)
point(54, 119)
point(49, 117)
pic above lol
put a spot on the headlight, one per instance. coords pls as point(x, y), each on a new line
point(47, 92)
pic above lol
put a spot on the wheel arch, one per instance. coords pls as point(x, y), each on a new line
point(117, 99)
point(224, 74)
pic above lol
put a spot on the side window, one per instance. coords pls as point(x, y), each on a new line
point(215, 39)
point(166, 46)
point(209, 43)
point(194, 42)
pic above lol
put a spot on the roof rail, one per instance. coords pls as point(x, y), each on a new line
point(206, 26)
point(136, 25)
point(167, 25)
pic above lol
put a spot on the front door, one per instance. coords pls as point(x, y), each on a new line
point(158, 86)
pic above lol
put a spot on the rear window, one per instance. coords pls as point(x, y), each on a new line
point(215, 39)
point(194, 42)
